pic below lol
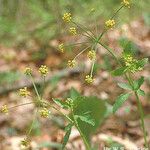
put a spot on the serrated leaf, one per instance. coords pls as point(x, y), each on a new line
point(125, 86)
point(140, 92)
point(61, 103)
point(97, 110)
point(119, 101)
point(119, 71)
point(86, 118)
point(66, 137)
point(138, 83)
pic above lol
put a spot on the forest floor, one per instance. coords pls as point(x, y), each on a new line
point(123, 127)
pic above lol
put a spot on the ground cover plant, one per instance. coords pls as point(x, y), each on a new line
point(86, 113)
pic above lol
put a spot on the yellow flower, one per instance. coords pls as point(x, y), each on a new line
point(67, 17)
point(24, 92)
point(28, 71)
point(91, 54)
point(25, 142)
point(89, 79)
point(4, 109)
point(71, 63)
point(126, 3)
point(44, 113)
point(73, 30)
point(61, 47)
point(110, 23)
point(43, 70)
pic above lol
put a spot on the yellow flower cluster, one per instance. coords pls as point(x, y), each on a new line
point(24, 92)
point(128, 59)
point(44, 113)
point(25, 142)
point(131, 63)
point(28, 71)
point(4, 109)
point(73, 30)
point(126, 3)
point(43, 70)
point(110, 23)
point(89, 79)
point(91, 54)
point(61, 47)
point(71, 63)
point(67, 17)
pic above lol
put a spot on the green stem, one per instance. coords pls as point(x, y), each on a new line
point(81, 134)
point(140, 109)
point(92, 36)
point(81, 52)
point(137, 97)
point(35, 88)
point(21, 105)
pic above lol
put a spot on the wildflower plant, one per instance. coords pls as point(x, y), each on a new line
point(128, 65)
point(87, 113)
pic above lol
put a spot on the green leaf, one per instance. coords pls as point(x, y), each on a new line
point(119, 71)
point(137, 84)
point(129, 47)
point(74, 93)
point(61, 103)
point(86, 118)
point(142, 63)
point(140, 92)
point(97, 109)
point(119, 101)
point(66, 137)
point(125, 86)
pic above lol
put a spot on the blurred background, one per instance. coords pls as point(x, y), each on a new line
point(30, 32)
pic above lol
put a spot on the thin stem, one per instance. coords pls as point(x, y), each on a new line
point(117, 11)
point(43, 87)
point(83, 29)
point(76, 44)
point(86, 29)
point(35, 88)
point(140, 109)
point(21, 105)
point(93, 63)
point(68, 118)
point(81, 52)
point(31, 127)
point(81, 134)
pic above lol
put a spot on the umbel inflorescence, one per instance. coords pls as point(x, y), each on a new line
point(92, 41)
point(42, 105)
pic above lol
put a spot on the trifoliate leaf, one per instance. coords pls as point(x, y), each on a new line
point(119, 101)
point(95, 107)
point(86, 118)
point(125, 86)
point(119, 71)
